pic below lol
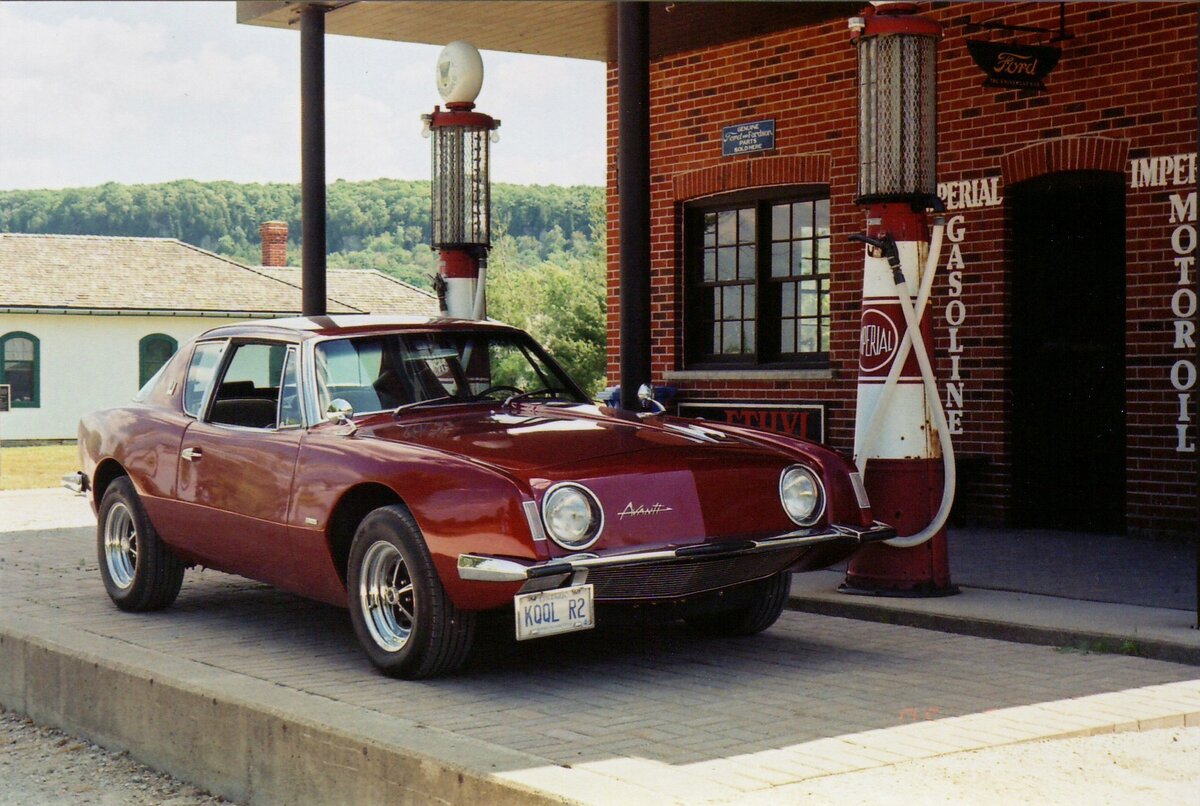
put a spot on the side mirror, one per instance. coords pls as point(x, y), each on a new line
point(646, 396)
point(340, 411)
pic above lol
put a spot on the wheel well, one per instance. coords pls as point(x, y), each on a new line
point(356, 504)
point(106, 472)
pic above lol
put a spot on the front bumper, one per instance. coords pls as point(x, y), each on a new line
point(701, 566)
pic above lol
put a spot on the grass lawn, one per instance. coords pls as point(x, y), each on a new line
point(29, 468)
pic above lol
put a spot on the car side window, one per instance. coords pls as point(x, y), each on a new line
point(200, 373)
point(248, 394)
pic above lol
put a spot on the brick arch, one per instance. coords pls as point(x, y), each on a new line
point(746, 174)
point(1064, 154)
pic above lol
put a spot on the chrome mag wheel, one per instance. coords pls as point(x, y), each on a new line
point(386, 596)
point(120, 545)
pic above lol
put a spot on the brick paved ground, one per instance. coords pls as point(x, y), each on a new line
point(713, 717)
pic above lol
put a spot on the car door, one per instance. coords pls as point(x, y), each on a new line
point(237, 462)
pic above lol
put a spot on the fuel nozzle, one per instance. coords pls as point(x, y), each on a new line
point(886, 248)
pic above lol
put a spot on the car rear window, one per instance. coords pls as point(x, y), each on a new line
point(200, 373)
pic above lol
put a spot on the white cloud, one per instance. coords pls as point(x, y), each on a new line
point(146, 92)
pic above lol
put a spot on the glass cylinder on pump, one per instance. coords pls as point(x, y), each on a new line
point(897, 111)
point(460, 182)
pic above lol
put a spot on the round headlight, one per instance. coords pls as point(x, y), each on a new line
point(572, 516)
point(801, 494)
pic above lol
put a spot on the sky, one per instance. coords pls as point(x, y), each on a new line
point(139, 92)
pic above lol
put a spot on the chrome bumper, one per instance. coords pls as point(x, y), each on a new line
point(551, 573)
point(75, 482)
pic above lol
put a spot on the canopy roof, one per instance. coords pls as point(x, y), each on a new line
point(580, 29)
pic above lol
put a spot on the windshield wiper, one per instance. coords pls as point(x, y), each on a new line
point(419, 403)
point(549, 392)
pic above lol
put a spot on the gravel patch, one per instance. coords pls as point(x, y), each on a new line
point(43, 766)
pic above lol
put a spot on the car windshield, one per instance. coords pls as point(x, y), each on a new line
point(403, 370)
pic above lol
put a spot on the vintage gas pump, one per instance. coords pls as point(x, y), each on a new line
point(460, 183)
point(901, 439)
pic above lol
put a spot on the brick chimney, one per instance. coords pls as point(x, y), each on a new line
point(274, 242)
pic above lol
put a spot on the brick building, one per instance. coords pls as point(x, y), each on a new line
point(1065, 308)
point(1065, 305)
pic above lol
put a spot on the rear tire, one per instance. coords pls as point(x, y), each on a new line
point(140, 573)
point(401, 614)
point(749, 619)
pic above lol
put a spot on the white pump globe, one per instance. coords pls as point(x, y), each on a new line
point(459, 72)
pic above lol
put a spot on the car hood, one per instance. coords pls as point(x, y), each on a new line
point(659, 480)
point(526, 440)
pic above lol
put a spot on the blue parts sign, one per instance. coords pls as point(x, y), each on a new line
point(747, 138)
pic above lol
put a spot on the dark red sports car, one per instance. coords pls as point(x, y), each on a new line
point(421, 471)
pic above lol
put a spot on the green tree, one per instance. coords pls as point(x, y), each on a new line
point(547, 271)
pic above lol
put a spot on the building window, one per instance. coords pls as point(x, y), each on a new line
point(154, 351)
point(757, 275)
point(19, 368)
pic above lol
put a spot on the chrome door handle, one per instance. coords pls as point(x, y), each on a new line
point(191, 454)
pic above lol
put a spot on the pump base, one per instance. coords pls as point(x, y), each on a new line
point(905, 493)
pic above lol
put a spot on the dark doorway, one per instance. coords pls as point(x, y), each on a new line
point(1067, 237)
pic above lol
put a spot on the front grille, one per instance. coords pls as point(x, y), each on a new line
point(686, 577)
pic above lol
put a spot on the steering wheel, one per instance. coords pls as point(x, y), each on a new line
point(499, 388)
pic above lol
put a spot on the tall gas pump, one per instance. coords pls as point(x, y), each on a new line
point(460, 183)
point(901, 439)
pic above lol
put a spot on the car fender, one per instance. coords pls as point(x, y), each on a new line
point(460, 505)
point(835, 469)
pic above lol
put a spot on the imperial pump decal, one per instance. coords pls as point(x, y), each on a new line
point(879, 339)
point(1178, 171)
point(962, 195)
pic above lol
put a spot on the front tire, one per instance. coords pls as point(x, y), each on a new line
point(400, 611)
point(140, 573)
point(763, 611)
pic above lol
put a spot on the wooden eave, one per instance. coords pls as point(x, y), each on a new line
point(579, 29)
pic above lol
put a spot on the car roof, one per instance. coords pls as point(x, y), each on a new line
point(306, 327)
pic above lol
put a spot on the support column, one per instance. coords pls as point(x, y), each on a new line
point(633, 189)
point(312, 159)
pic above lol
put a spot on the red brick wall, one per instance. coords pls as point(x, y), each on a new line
point(1124, 89)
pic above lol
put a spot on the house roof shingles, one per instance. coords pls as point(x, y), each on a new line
point(103, 273)
point(364, 289)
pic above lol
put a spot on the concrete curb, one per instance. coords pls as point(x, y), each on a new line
point(257, 742)
point(1153, 633)
point(254, 742)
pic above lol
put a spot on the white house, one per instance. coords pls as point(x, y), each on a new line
point(85, 320)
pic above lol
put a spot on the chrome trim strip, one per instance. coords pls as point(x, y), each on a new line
point(534, 516)
point(490, 569)
point(496, 569)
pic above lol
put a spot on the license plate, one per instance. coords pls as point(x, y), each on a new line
point(554, 611)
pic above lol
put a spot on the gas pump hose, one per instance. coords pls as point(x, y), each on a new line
point(480, 286)
point(933, 400)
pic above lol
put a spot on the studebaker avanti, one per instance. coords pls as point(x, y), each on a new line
point(419, 472)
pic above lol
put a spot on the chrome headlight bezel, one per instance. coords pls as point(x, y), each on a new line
point(554, 497)
point(786, 488)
